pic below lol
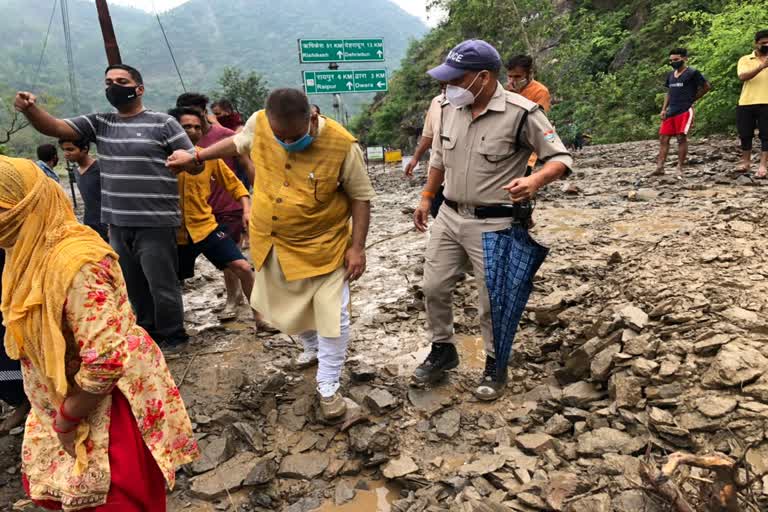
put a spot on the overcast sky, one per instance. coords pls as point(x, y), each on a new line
point(415, 7)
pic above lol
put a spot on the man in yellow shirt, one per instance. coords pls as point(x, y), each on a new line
point(753, 104)
point(310, 180)
point(199, 232)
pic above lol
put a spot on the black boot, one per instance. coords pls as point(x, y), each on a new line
point(442, 358)
point(492, 385)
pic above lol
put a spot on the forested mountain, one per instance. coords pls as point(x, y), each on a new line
point(206, 36)
point(603, 60)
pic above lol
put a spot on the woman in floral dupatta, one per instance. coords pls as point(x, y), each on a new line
point(107, 429)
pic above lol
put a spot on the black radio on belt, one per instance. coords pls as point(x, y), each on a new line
point(520, 211)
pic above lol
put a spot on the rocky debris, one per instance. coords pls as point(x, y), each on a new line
point(483, 465)
point(447, 424)
point(645, 331)
point(229, 476)
point(214, 453)
point(427, 400)
point(625, 389)
point(558, 425)
point(380, 401)
point(597, 503)
point(643, 194)
point(343, 493)
point(305, 466)
point(263, 472)
point(608, 440)
point(369, 438)
point(360, 371)
point(634, 317)
point(536, 443)
point(397, 468)
point(736, 364)
point(709, 346)
point(716, 406)
point(580, 394)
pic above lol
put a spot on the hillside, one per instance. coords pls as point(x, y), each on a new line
point(207, 35)
point(604, 61)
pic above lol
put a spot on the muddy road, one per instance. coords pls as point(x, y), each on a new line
point(646, 335)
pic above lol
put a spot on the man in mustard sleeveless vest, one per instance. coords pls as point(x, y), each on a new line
point(310, 180)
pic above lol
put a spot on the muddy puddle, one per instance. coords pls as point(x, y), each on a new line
point(378, 498)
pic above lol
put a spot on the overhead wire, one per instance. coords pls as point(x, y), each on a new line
point(168, 44)
point(40, 60)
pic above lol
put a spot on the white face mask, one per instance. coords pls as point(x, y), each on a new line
point(459, 96)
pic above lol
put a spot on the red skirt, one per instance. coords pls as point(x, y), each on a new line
point(137, 484)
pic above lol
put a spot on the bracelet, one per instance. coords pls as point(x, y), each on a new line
point(197, 157)
point(430, 195)
point(59, 431)
point(66, 416)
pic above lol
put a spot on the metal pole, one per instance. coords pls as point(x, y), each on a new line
point(108, 33)
point(71, 171)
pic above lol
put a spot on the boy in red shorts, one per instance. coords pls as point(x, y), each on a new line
point(685, 86)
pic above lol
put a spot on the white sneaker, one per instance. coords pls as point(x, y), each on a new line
point(305, 360)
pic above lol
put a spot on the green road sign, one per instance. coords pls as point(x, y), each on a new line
point(355, 80)
point(341, 50)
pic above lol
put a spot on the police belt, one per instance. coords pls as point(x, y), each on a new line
point(519, 211)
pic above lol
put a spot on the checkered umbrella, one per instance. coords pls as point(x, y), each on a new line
point(512, 259)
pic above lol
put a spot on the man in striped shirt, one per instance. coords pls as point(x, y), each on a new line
point(140, 196)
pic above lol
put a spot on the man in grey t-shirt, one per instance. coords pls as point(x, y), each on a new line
point(140, 197)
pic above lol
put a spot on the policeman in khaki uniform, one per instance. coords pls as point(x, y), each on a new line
point(481, 152)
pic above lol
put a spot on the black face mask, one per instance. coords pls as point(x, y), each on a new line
point(120, 95)
point(677, 64)
point(763, 49)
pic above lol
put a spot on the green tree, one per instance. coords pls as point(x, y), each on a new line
point(16, 136)
point(718, 42)
point(248, 93)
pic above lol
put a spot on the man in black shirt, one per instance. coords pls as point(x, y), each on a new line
point(88, 179)
point(685, 86)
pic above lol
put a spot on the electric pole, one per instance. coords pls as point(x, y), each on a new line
point(108, 32)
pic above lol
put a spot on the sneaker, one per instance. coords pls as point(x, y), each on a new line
point(305, 360)
point(491, 386)
point(442, 357)
point(333, 407)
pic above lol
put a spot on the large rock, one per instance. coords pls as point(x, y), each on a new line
point(227, 477)
point(597, 503)
point(635, 501)
point(716, 406)
point(580, 394)
point(577, 364)
point(559, 488)
point(447, 425)
point(736, 364)
point(369, 438)
point(428, 400)
point(484, 465)
point(304, 466)
point(379, 401)
point(634, 318)
point(344, 493)
point(607, 440)
point(398, 468)
point(558, 425)
point(263, 472)
point(537, 443)
point(625, 390)
point(214, 454)
point(709, 346)
point(603, 362)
